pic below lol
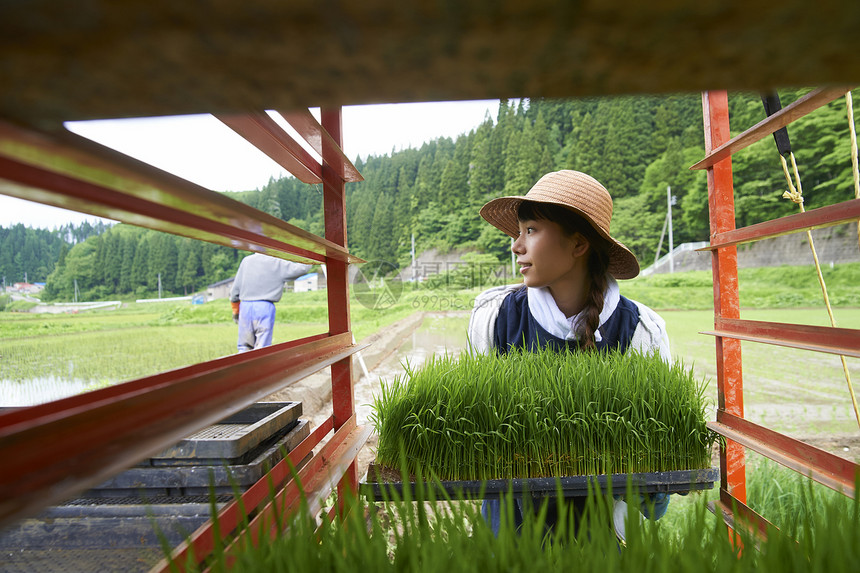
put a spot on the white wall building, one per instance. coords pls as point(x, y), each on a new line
point(308, 282)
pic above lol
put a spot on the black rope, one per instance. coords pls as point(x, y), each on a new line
point(780, 136)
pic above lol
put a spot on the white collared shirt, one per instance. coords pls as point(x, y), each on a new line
point(547, 314)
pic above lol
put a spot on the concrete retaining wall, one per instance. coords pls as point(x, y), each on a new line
point(834, 245)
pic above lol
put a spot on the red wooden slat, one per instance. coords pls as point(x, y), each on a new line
point(43, 413)
point(315, 483)
point(320, 141)
point(757, 524)
point(738, 515)
point(825, 468)
point(68, 171)
point(266, 135)
point(28, 182)
point(843, 341)
point(60, 448)
point(845, 212)
point(202, 542)
point(51, 453)
point(794, 111)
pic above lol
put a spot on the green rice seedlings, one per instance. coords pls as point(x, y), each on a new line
point(543, 414)
point(416, 537)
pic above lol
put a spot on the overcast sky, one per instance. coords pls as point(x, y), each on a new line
point(205, 151)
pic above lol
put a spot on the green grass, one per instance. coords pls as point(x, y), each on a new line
point(766, 287)
point(786, 498)
point(449, 537)
point(170, 335)
point(106, 357)
point(792, 391)
point(24, 325)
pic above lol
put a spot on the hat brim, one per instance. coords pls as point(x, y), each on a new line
point(502, 214)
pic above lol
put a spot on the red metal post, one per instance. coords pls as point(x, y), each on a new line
point(334, 206)
point(724, 264)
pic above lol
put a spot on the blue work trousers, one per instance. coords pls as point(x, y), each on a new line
point(256, 323)
point(492, 510)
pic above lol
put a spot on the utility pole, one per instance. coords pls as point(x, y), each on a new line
point(414, 270)
point(159, 285)
point(76, 290)
point(670, 200)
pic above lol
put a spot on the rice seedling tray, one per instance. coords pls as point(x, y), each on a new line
point(218, 478)
point(383, 483)
point(233, 439)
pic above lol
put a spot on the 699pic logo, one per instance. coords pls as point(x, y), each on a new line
point(377, 285)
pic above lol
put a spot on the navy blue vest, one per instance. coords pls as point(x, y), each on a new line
point(517, 328)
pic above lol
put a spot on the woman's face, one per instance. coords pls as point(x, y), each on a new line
point(548, 257)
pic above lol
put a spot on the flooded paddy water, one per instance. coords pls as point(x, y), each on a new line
point(437, 334)
point(40, 390)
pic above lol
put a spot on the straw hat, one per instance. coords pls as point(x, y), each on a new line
point(580, 193)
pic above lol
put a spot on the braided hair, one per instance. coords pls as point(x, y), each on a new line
point(597, 265)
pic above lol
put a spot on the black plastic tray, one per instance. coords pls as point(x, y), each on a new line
point(231, 438)
point(196, 480)
point(681, 481)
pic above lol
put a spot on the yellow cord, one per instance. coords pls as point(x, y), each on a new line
point(849, 103)
point(796, 195)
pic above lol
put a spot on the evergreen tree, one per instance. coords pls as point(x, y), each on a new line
point(484, 166)
point(188, 263)
point(523, 160)
point(140, 266)
point(129, 246)
point(454, 183)
point(380, 246)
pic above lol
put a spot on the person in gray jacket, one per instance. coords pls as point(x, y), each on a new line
point(258, 285)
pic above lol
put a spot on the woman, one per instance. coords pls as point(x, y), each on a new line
point(569, 297)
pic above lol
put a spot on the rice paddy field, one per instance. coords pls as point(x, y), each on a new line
point(48, 356)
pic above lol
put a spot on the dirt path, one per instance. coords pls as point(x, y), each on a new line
point(315, 391)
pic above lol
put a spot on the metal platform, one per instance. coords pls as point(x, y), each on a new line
point(682, 481)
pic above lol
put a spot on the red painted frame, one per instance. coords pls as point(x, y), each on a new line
point(55, 450)
point(729, 329)
point(724, 264)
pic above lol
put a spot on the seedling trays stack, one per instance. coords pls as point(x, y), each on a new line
point(176, 489)
point(541, 422)
point(235, 452)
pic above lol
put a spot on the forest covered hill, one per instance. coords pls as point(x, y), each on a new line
point(636, 146)
point(28, 254)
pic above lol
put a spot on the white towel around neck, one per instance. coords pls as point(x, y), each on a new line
point(546, 312)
